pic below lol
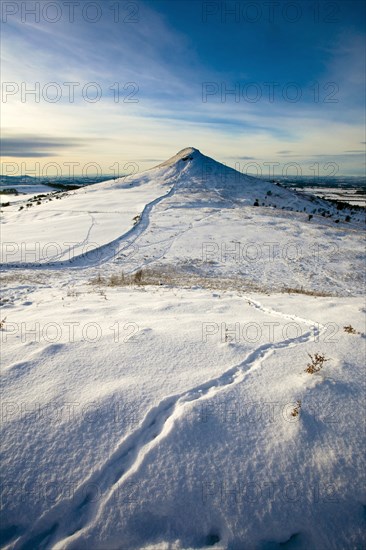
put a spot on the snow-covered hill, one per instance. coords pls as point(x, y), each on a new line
point(192, 214)
point(156, 333)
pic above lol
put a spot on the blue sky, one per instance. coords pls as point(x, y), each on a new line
point(152, 77)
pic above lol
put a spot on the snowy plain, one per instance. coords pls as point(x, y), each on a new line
point(174, 410)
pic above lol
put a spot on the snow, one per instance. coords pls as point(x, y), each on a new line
point(29, 190)
point(351, 196)
point(161, 415)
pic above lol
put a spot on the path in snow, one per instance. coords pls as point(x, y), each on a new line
point(63, 524)
point(102, 253)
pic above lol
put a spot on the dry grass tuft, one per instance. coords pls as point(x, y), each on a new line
point(317, 362)
point(350, 330)
point(296, 410)
point(290, 290)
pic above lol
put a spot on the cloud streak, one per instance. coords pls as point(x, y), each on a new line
point(169, 53)
point(30, 146)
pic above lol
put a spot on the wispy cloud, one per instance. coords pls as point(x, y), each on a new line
point(28, 146)
point(161, 56)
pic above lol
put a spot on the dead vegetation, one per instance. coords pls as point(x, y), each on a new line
point(121, 279)
point(350, 330)
point(296, 411)
point(168, 276)
point(305, 292)
point(137, 278)
point(25, 277)
point(316, 364)
point(171, 278)
point(179, 278)
point(115, 280)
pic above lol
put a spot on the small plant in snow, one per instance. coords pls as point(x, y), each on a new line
point(2, 323)
point(98, 280)
point(350, 329)
point(103, 294)
point(117, 280)
point(296, 410)
point(138, 276)
point(228, 338)
point(72, 293)
point(317, 362)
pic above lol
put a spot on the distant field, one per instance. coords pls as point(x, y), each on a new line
point(350, 189)
point(351, 196)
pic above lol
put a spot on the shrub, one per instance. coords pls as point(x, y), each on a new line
point(2, 323)
point(317, 362)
